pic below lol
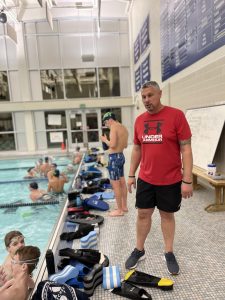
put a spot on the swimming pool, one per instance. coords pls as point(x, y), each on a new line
point(35, 222)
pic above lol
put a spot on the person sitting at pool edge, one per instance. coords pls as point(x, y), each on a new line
point(23, 263)
point(56, 184)
point(35, 192)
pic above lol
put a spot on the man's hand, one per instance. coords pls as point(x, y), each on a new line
point(186, 190)
point(2, 276)
point(104, 138)
point(130, 182)
point(7, 285)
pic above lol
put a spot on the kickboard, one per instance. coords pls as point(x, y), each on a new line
point(97, 204)
point(105, 195)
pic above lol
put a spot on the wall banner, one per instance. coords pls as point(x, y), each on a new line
point(137, 49)
point(145, 70)
point(137, 79)
point(145, 40)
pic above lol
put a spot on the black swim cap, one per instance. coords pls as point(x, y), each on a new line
point(56, 173)
point(108, 115)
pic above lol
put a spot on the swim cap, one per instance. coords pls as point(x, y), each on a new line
point(56, 173)
point(108, 115)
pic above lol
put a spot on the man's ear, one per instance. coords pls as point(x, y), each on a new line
point(24, 267)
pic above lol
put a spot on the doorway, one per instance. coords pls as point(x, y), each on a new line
point(86, 128)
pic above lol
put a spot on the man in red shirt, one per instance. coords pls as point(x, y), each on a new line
point(162, 147)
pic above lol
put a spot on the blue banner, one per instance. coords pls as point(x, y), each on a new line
point(145, 40)
point(137, 79)
point(137, 49)
point(190, 29)
point(145, 70)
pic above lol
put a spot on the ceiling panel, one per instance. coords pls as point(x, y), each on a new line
point(31, 10)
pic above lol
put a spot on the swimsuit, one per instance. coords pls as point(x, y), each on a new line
point(115, 167)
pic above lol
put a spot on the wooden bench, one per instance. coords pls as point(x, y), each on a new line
point(218, 184)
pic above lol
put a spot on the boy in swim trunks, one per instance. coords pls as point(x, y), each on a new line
point(117, 142)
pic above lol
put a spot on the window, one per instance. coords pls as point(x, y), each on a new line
point(80, 83)
point(4, 86)
point(76, 127)
point(52, 84)
point(55, 122)
point(109, 82)
point(7, 139)
point(92, 125)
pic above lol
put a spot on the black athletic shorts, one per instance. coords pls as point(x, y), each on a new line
point(164, 197)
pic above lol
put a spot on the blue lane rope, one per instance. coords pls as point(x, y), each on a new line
point(6, 205)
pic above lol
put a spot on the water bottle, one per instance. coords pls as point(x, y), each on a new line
point(78, 201)
point(105, 146)
point(50, 262)
point(78, 183)
point(211, 169)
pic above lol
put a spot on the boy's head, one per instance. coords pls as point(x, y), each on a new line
point(25, 258)
point(107, 116)
point(56, 173)
point(34, 185)
point(53, 166)
point(13, 241)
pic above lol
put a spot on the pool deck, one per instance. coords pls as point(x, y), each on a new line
point(199, 247)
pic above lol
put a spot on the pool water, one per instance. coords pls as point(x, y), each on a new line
point(30, 162)
point(35, 222)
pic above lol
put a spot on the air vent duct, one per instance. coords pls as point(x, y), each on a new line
point(84, 5)
point(88, 57)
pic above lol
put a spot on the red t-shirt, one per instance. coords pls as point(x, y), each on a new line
point(159, 135)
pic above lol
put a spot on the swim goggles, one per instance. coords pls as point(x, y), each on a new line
point(28, 261)
point(16, 240)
